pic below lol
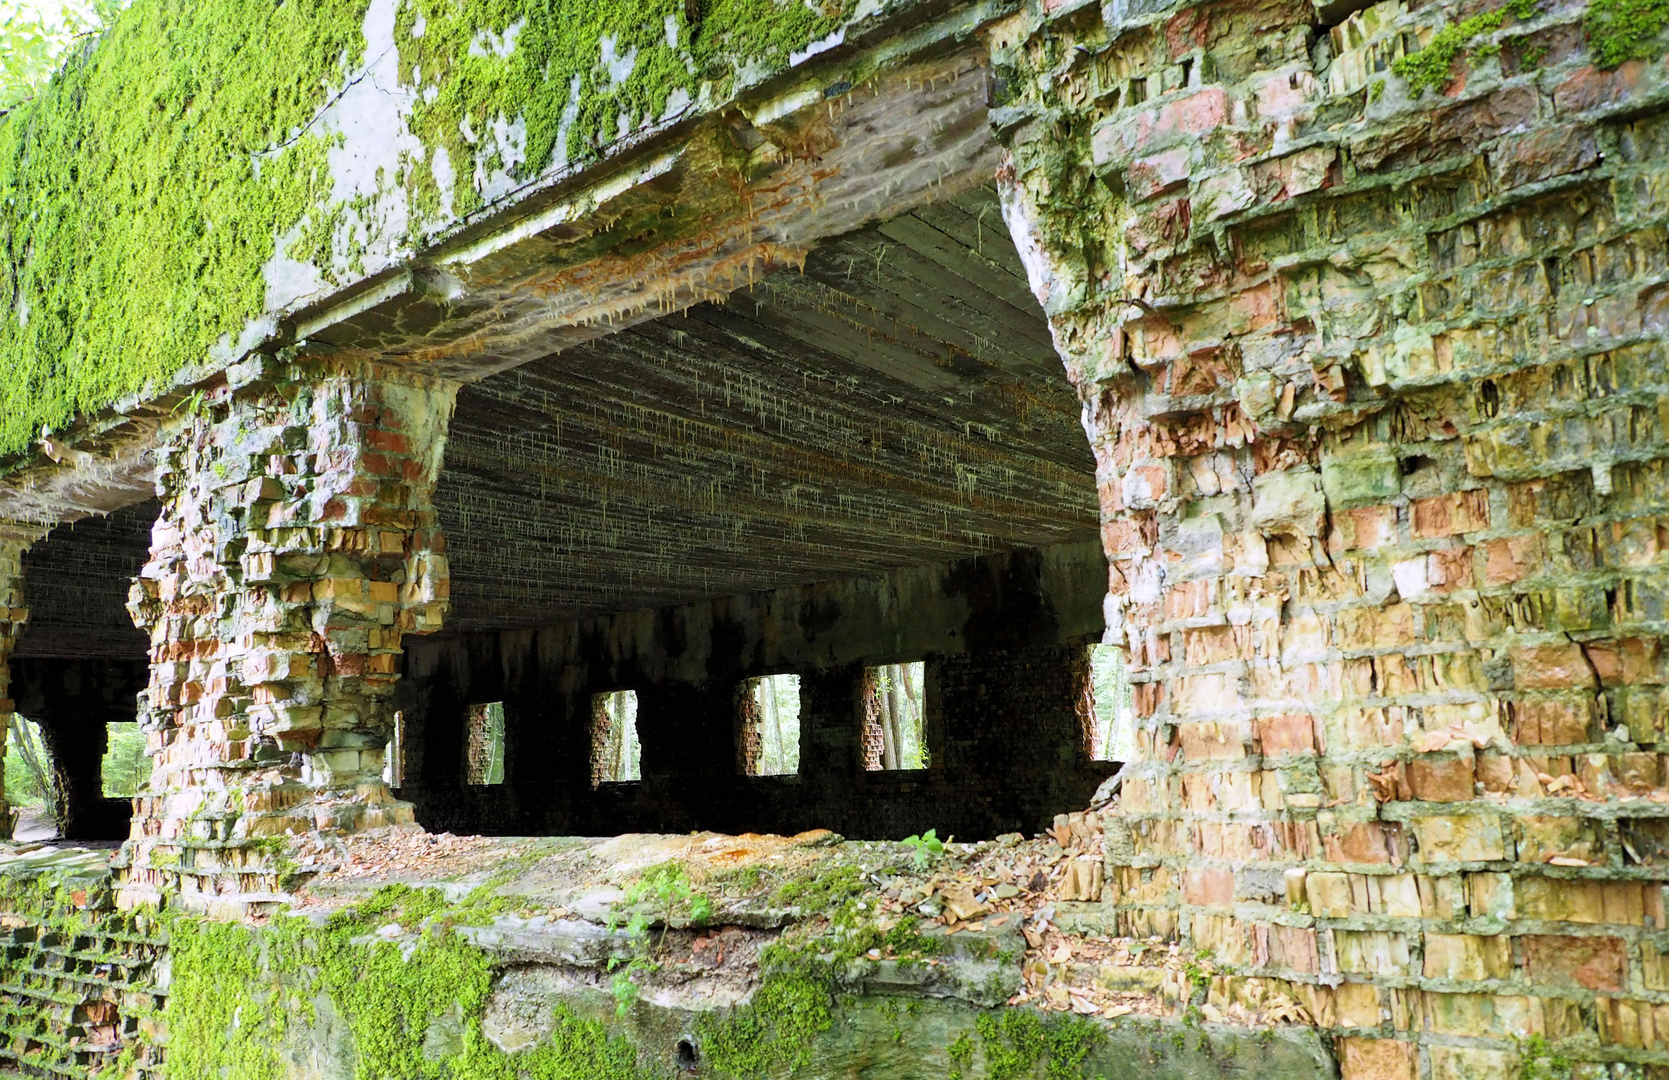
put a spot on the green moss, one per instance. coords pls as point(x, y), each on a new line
point(1017, 1041)
point(555, 79)
point(1620, 30)
point(142, 192)
point(1430, 67)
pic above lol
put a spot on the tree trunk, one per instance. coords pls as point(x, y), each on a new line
point(892, 742)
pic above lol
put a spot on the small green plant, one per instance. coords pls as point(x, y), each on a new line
point(926, 847)
point(1537, 1060)
point(664, 892)
point(1429, 68)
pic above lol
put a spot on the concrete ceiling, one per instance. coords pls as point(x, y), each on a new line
point(898, 402)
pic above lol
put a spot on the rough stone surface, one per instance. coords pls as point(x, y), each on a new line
point(1374, 386)
point(295, 548)
point(80, 984)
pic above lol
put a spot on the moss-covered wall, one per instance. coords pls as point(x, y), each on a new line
point(205, 166)
point(81, 985)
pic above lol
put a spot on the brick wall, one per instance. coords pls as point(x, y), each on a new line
point(1376, 385)
point(81, 985)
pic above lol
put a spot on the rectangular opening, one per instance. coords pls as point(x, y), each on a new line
point(769, 709)
point(394, 754)
point(485, 752)
point(125, 767)
point(616, 756)
point(1106, 708)
point(894, 708)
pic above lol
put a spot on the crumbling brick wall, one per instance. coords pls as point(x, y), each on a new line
point(1375, 373)
point(82, 987)
point(296, 546)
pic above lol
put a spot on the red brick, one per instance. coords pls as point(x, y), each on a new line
point(1293, 733)
point(1442, 779)
point(1597, 963)
point(1551, 667)
point(1208, 888)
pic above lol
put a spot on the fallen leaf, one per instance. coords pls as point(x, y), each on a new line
point(1033, 938)
point(1084, 1006)
point(1566, 860)
point(1117, 1010)
point(1434, 740)
point(959, 901)
point(1062, 954)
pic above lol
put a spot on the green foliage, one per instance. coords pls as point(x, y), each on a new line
point(28, 782)
point(926, 847)
point(125, 767)
point(31, 45)
point(1620, 30)
point(665, 892)
point(1429, 68)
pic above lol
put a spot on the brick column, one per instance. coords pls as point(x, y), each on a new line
point(297, 544)
point(1376, 378)
point(13, 616)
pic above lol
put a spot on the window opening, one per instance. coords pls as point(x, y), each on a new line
point(770, 716)
point(894, 707)
point(394, 754)
point(1108, 713)
point(125, 767)
point(486, 744)
point(28, 775)
point(616, 755)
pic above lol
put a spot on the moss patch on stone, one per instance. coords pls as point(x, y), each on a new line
point(1620, 30)
point(1429, 69)
point(143, 190)
point(577, 74)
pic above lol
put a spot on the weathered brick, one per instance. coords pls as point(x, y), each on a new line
point(1596, 963)
point(1377, 1059)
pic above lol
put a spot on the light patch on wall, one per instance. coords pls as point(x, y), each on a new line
point(894, 710)
point(394, 754)
point(485, 753)
point(769, 712)
point(616, 755)
point(125, 767)
point(1106, 709)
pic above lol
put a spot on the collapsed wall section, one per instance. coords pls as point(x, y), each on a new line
point(1369, 322)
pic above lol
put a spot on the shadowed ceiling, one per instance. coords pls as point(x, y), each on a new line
point(897, 403)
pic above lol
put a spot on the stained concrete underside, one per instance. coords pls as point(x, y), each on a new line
point(898, 403)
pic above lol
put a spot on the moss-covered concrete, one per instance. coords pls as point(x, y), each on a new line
point(204, 168)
